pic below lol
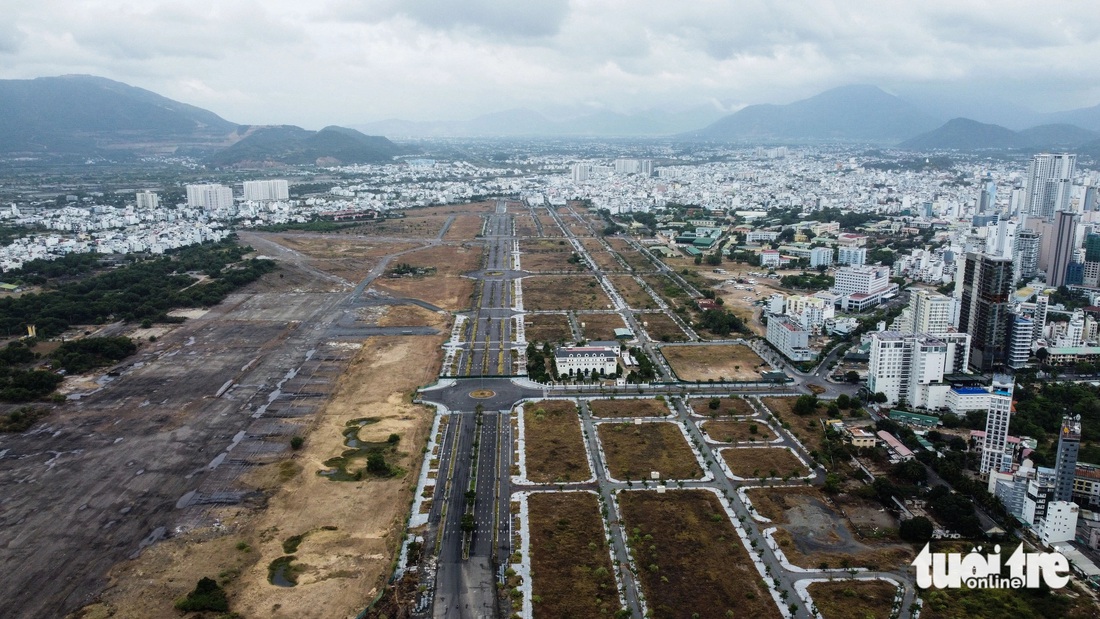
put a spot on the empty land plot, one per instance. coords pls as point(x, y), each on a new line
point(550, 227)
point(413, 226)
point(633, 293)
point(628, 407)
point(854, 599)
point(600, 326)
point(661, 328)
point(635, 450)
point(719, 362)
point(563, 292)
point(464, 228)
point(525, 225)
point(691, 560)
point(636, 260)
point(814, 532)
point(451, 209)
point(408, 316)
point(545, 328)
point(734, 405)
point(547, 255)
point(577, 228)
point(730, 431)
point(570, 564)
point(806, 428)
point(445, 287)
point(760, 462)
point(553, 445)
point(668, 290)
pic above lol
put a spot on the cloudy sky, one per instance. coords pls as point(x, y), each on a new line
point(319, 62)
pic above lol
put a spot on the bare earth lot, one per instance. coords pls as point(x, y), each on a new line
point(713, 362)
point(853, 599)
point(633, 451)
point(661, 328)
point(627, 407)
point(563, 292)
point(691, 561)
point(632, 292)
point(726, 406)
point(754, 462)
point(553, 444)
point(730, 431)
point(600, 326)
point(543, 328)
point(572, 571)
point(446, 287)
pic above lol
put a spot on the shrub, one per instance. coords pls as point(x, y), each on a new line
point(208, 595)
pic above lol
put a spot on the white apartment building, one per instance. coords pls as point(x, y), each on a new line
point(929, 312)
point(1060, 523)
point(147, 200)
point(863, 286)
point(210, 197)
point(265, 191)
point(789, 338)
point(757, 236)
point(911, 367)
point(821, 256)
point(995, 450)
point(852, 256)
point(809, 312)
point(770, 258)
point(595, 359)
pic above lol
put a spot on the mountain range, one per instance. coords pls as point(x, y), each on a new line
point(83, 116)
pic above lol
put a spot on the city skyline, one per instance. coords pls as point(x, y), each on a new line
point(335, 62)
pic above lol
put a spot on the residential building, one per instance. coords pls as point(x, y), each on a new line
point(1059, 524)
point(930, 312)
point(789, 338)
point(821, 256)
point(580, 172)
point(1020, 337)
point(1049, 183)
point(863, 286)
point(597, 358)
point(962, 400)
point(1065, 230)
point(995, 453)
point(911, 367)
point(984, 311)
point(1065, 465)
point(1040, 492)
point(851, 255)
point(1086, 486)
point(1027, 246)
point(266, 190)
point(147, 200)
point(210, 197)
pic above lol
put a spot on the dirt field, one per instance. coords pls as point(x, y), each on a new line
point(632, 292)
point(735, 405)
point(691, 560)
point(348, 258)
point(341, 568)
point(563, 292)
point(551, 328)
point(415, 225)
point(627, 407)
point(853, 599)
point(525, 225)
point(807, 429)
point(600, 327)
point(570, 565)
point(729, 431)
point(546, 255)
point(452, 209)
point(633, 451)
point(633, 257)
point(408, 316)
point(717, 362)
point(813, 532)
point(464, 228)
point(661, 328)
point(554, 446)
point(761, 462)
point(446, 288)
point(668, 290)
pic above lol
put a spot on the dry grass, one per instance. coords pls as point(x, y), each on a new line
point(548, 255)
point(628, 407)
point(572, 575)
point(853, 599)
point(761, 462)
point(413, 226)
point(486, 206)
point(713, 362)
point(600, 326)
point(563, 292)
point(408, 316)
point(691, 561)
point(661, 328)
point(632, 292)
point(550, 227)
point(633, 451)
point(525, 225)
point(446, 287)
point(547, 328)
point(730, 431)
point(631, 256)
point(464, 228)
point(735, 405)
point(554, 446)
point(807, 429)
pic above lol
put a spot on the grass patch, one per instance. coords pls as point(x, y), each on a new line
point(571, 568)
point(661, 328)
point(633, 293)
point(690, 559)
point(600, 326)
point(22, 418)
point(633, 451)
point(542, 328)
point(553, 444)
point(720, 362)
point(760, 462)
point(736, 431)
point(563, 292)
point(735, 405)
point(628, 407)
point(853, 599)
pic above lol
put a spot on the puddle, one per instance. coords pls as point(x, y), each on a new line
point(340, 467)
point(281, 573)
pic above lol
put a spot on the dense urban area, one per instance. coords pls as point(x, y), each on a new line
point(568, 378)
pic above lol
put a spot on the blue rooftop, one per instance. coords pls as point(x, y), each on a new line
point(969, 390)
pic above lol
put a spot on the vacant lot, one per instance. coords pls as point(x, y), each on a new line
point(571, 569)
point(719, 362)
point(563, 292)
point(600, 326)
point(628, 408)
point(550, 227)
point(691, 562)
point(632, 292)
point(445, 287)
point(854, 599)
point(451, 209)
point(413, 226)
point(670, 291)
point(806, 428)
point(729, 431)
point(631, 256)
point(464, 228)
point(634, 450)
point(547, 255)
point(734, 405)
point(547, 328)
point(554, 446)
point(760, 462)
point(349, 258)
point(661, 328)
point(525, 224)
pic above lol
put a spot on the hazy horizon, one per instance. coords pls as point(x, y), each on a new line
point(341, 62)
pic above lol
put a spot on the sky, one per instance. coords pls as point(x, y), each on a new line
point(320, 62)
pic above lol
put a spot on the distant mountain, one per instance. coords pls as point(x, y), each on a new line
point(1088, 117)
point(85, 115)
point(528, 123)
point(848, 113)
point(966, 134)
point(287, 144)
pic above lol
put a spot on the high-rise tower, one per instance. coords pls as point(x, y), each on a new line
point(984, 311)
point(994, 457)
point(1049, 181)
point(1065, 232)
point(1065, 466)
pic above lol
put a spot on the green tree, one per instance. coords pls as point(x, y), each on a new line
point(916, 530)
